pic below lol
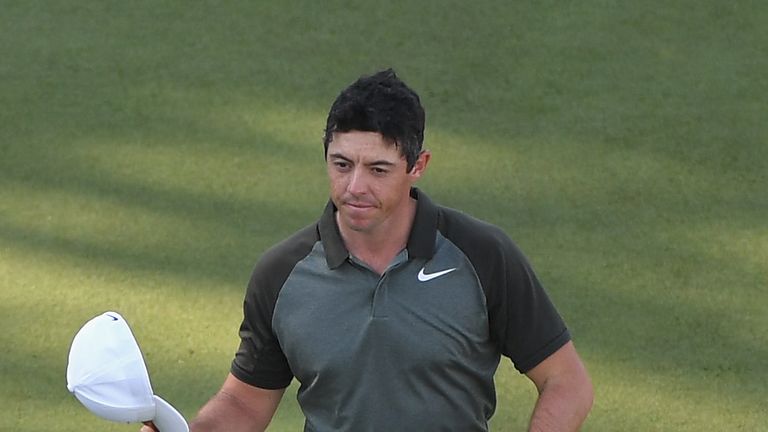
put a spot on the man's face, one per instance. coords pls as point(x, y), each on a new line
point(369, 183)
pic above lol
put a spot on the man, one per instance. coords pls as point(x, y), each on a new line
point(391, 311)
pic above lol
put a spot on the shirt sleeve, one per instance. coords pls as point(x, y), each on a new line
point(259, 360)
point(522, 319)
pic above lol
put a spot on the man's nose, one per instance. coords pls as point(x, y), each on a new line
point(357, 182)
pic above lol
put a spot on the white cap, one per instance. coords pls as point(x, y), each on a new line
point(107, 374)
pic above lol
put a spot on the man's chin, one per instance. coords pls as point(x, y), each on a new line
point(356, 224)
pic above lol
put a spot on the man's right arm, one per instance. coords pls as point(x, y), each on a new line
point(236, 407)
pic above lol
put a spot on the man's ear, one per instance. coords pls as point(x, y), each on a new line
point(420, 166)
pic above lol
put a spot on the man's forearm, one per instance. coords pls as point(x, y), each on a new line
point(224, 412)
point(231, 412)
point(562, 406)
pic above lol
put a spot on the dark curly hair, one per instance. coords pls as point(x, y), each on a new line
point(380, 103)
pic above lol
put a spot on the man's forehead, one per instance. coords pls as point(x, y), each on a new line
point(358, 135)
point(363, 144)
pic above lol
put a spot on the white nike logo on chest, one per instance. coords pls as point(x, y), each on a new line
point(423, 277)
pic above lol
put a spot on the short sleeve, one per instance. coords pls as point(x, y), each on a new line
point(522, 319)
point(259, 360)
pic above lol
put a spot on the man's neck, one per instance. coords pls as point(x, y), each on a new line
point(378, 247)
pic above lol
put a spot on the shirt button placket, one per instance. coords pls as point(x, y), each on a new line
point(380, 298)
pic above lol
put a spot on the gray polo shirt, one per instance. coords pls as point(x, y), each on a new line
point(412, 349)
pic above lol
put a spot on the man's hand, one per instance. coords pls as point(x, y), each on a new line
point(149, 427)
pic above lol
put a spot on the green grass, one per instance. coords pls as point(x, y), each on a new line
point(150, 151)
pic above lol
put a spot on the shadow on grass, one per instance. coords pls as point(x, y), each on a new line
point(688, 340)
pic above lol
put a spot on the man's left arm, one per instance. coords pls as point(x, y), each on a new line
point(565, 392)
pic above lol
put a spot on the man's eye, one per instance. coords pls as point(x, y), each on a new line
point(380, 171)
point(341, 165)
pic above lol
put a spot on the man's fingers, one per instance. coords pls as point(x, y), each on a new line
point(149, 427)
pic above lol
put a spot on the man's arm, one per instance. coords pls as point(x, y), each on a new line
point(236, 407)
point(565, 392)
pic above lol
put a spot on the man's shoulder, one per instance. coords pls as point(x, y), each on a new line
point(289, 251)
point(457, 225)
point(485, 244)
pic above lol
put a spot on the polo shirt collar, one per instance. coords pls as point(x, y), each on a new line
point(335, 251)
point(421, 241)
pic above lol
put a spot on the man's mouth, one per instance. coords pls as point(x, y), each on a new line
point(359, 205)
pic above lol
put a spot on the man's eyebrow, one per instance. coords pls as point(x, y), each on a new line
point(339, 156)
point(382, 162)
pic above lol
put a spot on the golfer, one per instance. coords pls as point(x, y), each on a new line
point(392, 311)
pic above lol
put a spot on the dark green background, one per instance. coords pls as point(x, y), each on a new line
point(150, 151)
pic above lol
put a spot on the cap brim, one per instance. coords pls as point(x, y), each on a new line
point(167, 419)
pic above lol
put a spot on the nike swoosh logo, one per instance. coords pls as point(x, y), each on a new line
point(423, 277)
